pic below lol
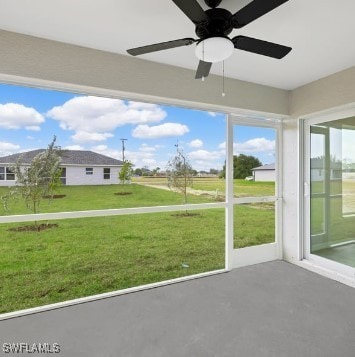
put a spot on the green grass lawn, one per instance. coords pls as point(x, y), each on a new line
point(89, 256)
point(340, 223)
point(82, 198)
point(241, 187)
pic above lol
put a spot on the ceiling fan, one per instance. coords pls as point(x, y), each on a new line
point(213, 27)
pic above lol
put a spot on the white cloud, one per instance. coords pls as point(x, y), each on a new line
point(205, 155)
point(159, 131)
point(147, 148)
point(33, 128)
point(17, 116)
point(252, 145)
point(205, 160)
point(197, 143)
point(151, 163)
point(138, 158)
point(84, 137)
point(222, 146)
point(100, 148)
point(74, 147)
point(8, 148)
point(256, 145)
point(142, 158)
point(105, 150)
point(96, 115)
point(212, 114)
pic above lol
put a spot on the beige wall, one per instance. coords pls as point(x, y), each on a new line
point(32, 57)
point(39, 59)
point(329, 92)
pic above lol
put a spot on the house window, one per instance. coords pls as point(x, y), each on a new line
point(63, 176)
point(6, 174)
point(107, 173)
point(89, 170)
point(10, 175)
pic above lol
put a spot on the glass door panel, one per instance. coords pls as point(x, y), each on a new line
point(332, 183)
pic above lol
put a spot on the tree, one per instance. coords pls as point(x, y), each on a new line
point(242, 166)
point(179, 173)
point(40, 179)
point(126, 172)
point(156, 171)
point(138, 172)
point(214, 172)
point(146, 171)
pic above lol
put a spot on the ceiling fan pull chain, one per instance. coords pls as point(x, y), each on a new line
point(203, 58)
point(223, 92)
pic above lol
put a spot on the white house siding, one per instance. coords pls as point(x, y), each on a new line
point(318, 174)
point(7, 183)
point(264, 175)
point(76, 175)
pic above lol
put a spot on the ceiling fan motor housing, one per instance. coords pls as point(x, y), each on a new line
point(219, 23)
point(213, 3)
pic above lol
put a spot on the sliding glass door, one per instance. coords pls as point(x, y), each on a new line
point(330, 191)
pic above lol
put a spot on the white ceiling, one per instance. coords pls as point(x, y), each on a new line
point(321, 33)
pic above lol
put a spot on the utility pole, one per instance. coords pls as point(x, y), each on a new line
point(123, 148)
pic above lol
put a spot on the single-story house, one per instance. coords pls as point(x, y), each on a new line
point(318, 169)
point(80, 167)
point(267, 172)
point(264, 173)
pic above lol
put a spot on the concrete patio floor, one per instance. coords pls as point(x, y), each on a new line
point(272, 309)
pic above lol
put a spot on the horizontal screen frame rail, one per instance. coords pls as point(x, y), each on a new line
point(244, 200)
point(108, 212)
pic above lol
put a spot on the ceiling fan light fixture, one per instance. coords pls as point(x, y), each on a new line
point(214, 49)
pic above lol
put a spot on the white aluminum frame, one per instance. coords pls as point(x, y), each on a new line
point(233, 258)
point(265, 252)
point(329, 268)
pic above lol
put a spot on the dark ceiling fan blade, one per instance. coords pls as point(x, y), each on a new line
point(192, 9)
point(254, 10)
point(161, 46)
point(260, 47)
point(203, 69)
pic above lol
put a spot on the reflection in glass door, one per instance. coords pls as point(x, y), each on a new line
point(332, 190)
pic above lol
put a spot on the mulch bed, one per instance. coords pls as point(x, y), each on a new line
point(34, 228)
point(123, 193)
point(186, 214)
point(54, 196)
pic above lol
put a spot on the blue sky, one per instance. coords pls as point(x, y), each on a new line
point(30, 117)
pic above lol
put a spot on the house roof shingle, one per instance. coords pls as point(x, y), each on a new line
point(69, 157)
point(264, 167)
